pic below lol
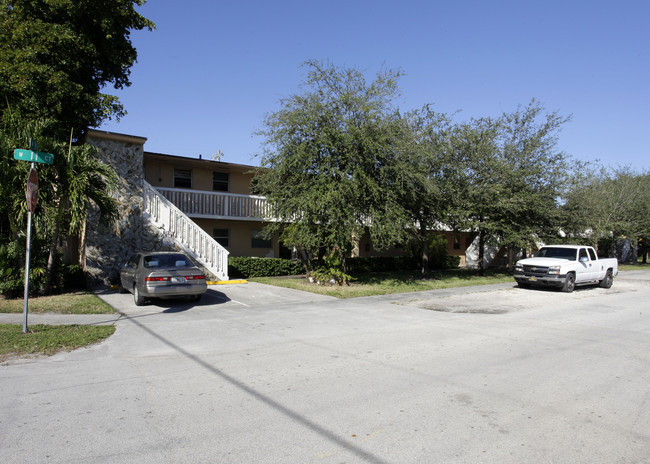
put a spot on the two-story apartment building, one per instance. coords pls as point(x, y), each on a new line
point(217, 197)
point(195, 200)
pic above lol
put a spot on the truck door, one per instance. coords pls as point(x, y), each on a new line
point(585, 270)
point(598, 271)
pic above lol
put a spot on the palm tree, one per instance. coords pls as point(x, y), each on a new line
point(81, 180)
point(14, 133)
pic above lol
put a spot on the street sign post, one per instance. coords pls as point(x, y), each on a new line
point(33, 156)
point(27, 253)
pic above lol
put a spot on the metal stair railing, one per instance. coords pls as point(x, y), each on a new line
point(190, 237)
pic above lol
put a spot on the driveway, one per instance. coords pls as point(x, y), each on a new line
point(259, 374)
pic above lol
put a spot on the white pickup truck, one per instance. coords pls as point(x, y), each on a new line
point(566, 266)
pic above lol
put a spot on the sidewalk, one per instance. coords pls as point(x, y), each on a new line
point(60, 319)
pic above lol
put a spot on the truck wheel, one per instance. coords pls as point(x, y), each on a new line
point(608, 280)
point(569, 283)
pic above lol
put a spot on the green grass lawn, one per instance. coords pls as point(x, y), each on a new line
point(68, 303)
point(50, 339)
point(383, 283)
point(634, 267)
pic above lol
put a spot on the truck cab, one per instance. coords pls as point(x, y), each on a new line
point(565, 266)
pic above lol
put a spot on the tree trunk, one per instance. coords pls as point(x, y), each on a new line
point(306, 262)
point(481, 252)
point(425, 251)
point(49, 271)
point(82, 246)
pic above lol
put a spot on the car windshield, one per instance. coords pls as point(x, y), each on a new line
point(167, 260)
point(553, 252)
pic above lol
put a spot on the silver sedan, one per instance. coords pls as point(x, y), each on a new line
point(161, 275)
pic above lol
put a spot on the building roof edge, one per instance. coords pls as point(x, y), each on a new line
point(107, 135)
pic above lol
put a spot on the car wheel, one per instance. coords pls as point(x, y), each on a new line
point(138, 299)
point(608, 280)
point(569, 283)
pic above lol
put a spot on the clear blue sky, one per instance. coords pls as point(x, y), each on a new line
point(210, 72)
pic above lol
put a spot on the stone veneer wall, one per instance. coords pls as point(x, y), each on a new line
point(109, 246)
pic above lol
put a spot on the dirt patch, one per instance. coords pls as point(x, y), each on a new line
point(512, 299)
point(494, 302)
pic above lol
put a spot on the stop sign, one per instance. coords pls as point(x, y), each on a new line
point(32, 190)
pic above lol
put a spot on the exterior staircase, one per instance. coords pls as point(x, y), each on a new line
point(193, 240)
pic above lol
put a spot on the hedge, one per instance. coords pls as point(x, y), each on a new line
point(244, 267)
point(263, 267)
point(380, 264)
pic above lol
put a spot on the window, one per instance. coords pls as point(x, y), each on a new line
point(220, 181)
point(592, 254)
point(183, 178)
point(222, 236)
point(259, 241)
point(456, 243)
point(583, 254)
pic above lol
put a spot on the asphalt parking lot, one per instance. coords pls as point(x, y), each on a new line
point(259, 374)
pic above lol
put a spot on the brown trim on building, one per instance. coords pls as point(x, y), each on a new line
point(124, 138)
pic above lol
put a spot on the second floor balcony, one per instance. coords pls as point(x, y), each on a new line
point(217, 205)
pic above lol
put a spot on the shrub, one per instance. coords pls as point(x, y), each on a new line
point(12, 271)
point(452, 262)
point(380, 264)
point(331, 272)
point(245, 267)
point(73, 277)
point(439, 257)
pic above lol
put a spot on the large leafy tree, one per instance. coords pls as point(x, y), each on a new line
point(427, 176)
point(480, 188)
point(609, 202)
point(56, 56)
point(325, 161)
point(513, 177)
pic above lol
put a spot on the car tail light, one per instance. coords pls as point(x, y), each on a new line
point(195, 277)
point(156, 279)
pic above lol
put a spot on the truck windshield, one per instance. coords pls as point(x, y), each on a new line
point(561, 253)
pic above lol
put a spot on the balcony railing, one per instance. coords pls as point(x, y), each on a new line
point(217, 205)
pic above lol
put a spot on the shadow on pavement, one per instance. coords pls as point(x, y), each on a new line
point(270, 402)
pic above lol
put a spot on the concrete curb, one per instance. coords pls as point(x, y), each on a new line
point(226, 282)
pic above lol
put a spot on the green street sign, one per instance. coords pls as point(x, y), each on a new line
point(33, 156)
